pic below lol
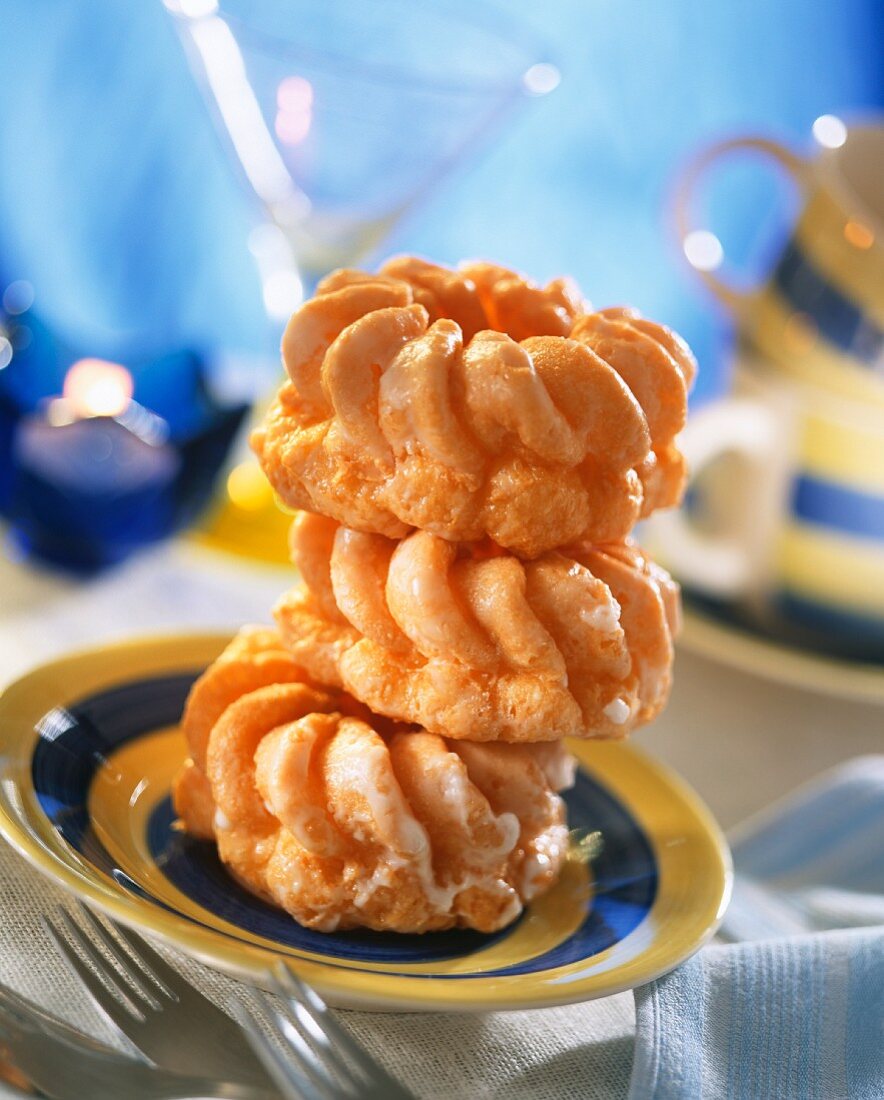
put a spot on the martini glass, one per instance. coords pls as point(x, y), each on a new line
point(339, 116)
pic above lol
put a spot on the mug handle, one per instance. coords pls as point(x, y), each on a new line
point(722, 566)
point(793, 165)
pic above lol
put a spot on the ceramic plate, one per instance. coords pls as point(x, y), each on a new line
point(741, 648)
point(88, 748)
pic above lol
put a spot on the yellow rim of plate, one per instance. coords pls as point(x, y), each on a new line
point(759, 656)
point(693, 859)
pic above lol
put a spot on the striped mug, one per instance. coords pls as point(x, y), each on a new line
point(784, 517)
point(820, 314)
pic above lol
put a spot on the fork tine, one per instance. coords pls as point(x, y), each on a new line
point(122, 1018)
point(121, 957)
point(305, 1057)
point(292, 988)
point(105, 969)
point(290, 1081)
point(152, 961)
point(307, 1023)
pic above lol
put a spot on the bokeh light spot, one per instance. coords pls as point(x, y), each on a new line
point(294, 94)
point(283, 293)
point(18, 297)
point(96, 387)
point(859, 235)
point(830, 131)
point(703, 250)
point(247, 487)
point(291, 129)
point(541, 79)
point(294, 98)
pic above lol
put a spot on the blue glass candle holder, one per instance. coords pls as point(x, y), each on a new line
point(90, 474)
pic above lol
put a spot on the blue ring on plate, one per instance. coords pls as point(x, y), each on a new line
point(75, 741)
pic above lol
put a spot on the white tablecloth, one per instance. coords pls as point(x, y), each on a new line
point(739, 740)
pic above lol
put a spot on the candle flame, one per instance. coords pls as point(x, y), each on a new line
point(96, 387)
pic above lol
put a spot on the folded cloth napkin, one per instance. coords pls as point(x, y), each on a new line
point(796, 1008)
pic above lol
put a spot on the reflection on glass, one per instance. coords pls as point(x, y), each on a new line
point(340, 115)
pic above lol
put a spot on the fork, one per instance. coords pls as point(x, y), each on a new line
point(42, 1056)
point(164, 1017)
point(313, 1057)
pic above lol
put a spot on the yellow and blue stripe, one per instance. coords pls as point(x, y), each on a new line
point(840, 507)
point(837, 317)
point(829, 566)
point(821, 314)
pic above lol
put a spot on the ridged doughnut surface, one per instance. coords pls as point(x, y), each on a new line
point(475, 404)
point(474, 643)
point(255, 658)
point(347, 821)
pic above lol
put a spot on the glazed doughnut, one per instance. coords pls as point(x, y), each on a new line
point(474, 643)
point(256, 657)
point(659, 368)
point(520, 308)
point(457, 402)
point(345, 821)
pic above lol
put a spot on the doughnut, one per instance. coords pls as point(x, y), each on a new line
point(256, 657)
point(473, 643)
point(474, 404)
point(349, 821)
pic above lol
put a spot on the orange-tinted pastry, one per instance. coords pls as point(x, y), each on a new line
point(471, 451)
point(472, 642)
point(346, 821)
point(659, 368)
point(255, 658)
point(457, 403)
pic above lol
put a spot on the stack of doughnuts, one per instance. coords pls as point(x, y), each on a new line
point(467, 454)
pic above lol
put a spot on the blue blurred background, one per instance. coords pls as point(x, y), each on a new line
point(117, 201)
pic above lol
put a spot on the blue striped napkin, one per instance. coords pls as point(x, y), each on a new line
point(793, 1008)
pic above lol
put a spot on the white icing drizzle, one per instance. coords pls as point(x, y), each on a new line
point(287, 782)
point(549, 850)
point(398, 852)
point(617, 711)
point(603, 617)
